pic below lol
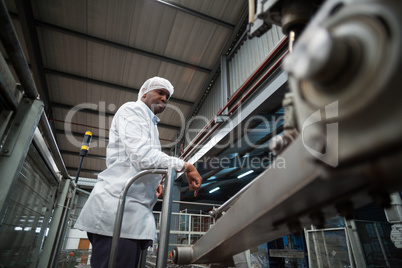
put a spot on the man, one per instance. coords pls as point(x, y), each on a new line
point(133, 146)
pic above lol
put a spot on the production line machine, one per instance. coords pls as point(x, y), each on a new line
point(342, 139)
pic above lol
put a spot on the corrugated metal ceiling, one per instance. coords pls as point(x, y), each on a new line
point(98, 53)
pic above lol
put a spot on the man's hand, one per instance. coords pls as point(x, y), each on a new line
point(193, 177)
point(159, 190)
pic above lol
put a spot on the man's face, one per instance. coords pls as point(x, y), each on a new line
point(156, 100)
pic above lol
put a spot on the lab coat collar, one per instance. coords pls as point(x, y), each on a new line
point(153, 117)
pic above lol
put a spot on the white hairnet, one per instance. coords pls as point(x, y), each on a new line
point(155, 83)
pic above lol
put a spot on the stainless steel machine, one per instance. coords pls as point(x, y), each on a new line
point(343, 134)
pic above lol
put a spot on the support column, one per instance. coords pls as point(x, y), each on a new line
point(355, 243)
point(224, 81)
point(45, 259)
point(16, 145)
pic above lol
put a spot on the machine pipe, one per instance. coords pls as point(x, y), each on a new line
point(183, 255)
point(216, 213)
point(120, 212)
point(11, 44)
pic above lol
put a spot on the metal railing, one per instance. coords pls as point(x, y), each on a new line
point(186, 228)
point(165, 219)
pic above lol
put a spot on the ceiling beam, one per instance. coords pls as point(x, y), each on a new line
point(81, 135)
point(102, 83)
point(197, 14)
point(94, 137)
point(107, 84)
point(100, 157)
point(32, 43)
point(98, 113)
point(115, 45)
point(74, 169)
point(81, 109)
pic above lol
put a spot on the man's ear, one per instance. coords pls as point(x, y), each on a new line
point(144, 96)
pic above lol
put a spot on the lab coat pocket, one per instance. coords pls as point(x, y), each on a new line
point(144, 190)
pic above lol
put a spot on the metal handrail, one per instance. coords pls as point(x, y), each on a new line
point(166, 206)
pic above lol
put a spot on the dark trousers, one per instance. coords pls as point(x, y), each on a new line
point(128, 255)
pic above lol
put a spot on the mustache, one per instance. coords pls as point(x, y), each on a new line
point(161, 103)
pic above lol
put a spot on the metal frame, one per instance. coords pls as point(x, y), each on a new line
point(314, 233)
point(16, 146)
point(356, 255)
point(32, 43)
point(381, 245)
point(161, 260)
point(105, 114)
point(13, 48)
point(270, 90)
point(45, 156)
point(14, 51)
point(271, 207)
point(188, 224)
point(165, 223)
point(355, 243)
point(7, 84)
point(197, 14)
point(49, 248)
point(380, 241)
point(113, 44)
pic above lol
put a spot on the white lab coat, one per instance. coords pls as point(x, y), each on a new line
point(133, 146)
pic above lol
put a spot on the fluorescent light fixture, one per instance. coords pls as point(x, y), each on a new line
point(245, 174)
point(214, 190)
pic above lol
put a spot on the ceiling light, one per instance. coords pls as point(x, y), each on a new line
point(214, 190)
point(245, 174)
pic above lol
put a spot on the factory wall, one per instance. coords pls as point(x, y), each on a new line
point(240, 64)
